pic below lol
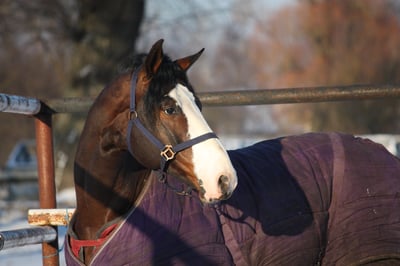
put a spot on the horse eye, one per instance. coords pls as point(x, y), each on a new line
point(170, 110)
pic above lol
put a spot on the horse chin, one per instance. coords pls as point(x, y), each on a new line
point(209, 200)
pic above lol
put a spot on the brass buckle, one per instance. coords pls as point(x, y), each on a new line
point(168, 153)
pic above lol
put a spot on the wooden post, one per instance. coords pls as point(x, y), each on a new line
point(54, 217)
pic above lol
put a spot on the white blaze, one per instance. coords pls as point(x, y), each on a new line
point(210, 159)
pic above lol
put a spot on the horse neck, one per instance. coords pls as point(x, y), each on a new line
point(106, 185)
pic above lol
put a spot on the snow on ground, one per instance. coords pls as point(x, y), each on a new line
point(13, 215)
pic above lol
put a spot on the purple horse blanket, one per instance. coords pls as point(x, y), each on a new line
point(312, 199)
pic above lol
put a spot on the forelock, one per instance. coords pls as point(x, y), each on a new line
point(168, 75)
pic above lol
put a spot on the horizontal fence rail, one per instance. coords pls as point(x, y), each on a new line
point(27, 236)
point(299, 95)
point(19, 104)
point(54, 217)
point(258, 97)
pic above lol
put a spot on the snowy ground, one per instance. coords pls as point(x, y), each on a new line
point(13, 215)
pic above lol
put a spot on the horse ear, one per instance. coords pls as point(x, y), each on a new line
point(154, 58)
point(186, 62)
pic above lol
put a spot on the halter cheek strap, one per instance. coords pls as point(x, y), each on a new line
point(167, 152)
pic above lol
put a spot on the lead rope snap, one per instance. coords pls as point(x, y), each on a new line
point(162, 177)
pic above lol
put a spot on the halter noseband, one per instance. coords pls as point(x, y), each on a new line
point(168, 151)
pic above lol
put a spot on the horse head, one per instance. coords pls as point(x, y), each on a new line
point(163, 128)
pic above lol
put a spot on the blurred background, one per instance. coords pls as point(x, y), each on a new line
point(72, 48)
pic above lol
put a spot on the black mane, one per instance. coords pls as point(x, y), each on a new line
point(131, 63)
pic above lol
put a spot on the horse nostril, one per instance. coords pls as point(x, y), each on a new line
point(223, 183)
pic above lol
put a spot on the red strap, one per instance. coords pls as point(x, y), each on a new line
point(77, 244)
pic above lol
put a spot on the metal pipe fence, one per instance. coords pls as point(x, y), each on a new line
point(43, 110)
point(258, 97)
point(27, 236)
point(46, 179)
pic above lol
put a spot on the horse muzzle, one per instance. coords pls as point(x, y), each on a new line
point(226, 185)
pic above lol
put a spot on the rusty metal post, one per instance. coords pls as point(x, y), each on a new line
point(46, 173)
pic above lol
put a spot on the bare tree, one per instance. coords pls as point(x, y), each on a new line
point(105, 35)
point(48, 47)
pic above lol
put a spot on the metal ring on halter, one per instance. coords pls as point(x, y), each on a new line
point(132, 115)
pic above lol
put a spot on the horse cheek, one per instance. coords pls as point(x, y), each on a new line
point(144, 151)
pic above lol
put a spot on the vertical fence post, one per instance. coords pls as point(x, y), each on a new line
point(46, 173)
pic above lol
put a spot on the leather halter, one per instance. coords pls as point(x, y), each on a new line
point(168, 151)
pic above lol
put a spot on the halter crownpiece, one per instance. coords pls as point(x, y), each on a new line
point(168, 151)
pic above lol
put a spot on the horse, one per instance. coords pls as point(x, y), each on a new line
point(154, 186)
